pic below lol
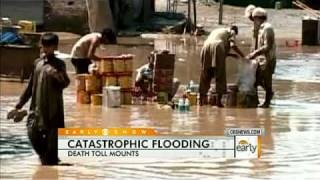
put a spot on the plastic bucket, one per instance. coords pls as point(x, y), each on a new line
point(118, 65)
point(125, 81)
point(126, 98)
point(106, 66)
point(27, 26)
point(111, 96)
point(96, 99)
point(93, 83)
point(110, 81)
point(193, 99)
point(81, 82)
point(83, 97)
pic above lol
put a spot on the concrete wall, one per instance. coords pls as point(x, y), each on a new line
point(67, 7)
point(71, 15)
point(66, 15)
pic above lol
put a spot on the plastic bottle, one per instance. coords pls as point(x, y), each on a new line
point(181, 105)
point(191, 86)
point(176, 104)
point(187, 104)
point(191, 83)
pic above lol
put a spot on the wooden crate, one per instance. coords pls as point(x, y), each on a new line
point(164, 72)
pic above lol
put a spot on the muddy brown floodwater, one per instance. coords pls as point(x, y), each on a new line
point(290, 148)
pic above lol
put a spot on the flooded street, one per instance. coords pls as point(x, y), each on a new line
point(290, 148)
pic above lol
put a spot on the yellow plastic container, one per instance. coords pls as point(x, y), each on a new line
point(122, 94)
point(103, 81)
point(110, 81)
point(128, 65)
point(125, 81)
point(98, 85)
point(126, 98)
point(118, 65)
point(106, 66)
point(81, 82)
point(162, 98)
point(96, 99)
point(192, 99)
point(27, 26)
point(92, 83)
point(83, 97)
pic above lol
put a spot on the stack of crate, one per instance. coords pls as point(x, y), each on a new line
point(113, 71)
point(163, 75)
point(117, 71)
point(89, 89)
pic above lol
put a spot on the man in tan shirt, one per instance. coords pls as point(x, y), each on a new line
point(213, 56)
point(83, 52)
point(265, 53)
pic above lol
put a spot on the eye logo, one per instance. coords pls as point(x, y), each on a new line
point(245, 146)
point(243, 142)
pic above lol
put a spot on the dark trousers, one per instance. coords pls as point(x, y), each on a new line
point(81, 65)
point(45, 143)
point(264, 79)
point(205, 80)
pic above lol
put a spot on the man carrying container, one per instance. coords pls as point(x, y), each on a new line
point(265, 53)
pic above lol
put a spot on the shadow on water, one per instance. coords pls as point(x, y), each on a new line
point(289, 149)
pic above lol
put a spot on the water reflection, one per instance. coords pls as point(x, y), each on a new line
point(43, 172)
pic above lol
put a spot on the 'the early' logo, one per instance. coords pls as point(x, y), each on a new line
point(245, 146)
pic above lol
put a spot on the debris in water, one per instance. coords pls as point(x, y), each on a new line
point(181, 60)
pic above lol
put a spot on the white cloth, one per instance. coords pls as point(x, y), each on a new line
point(247, 76)
point(81, 49)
